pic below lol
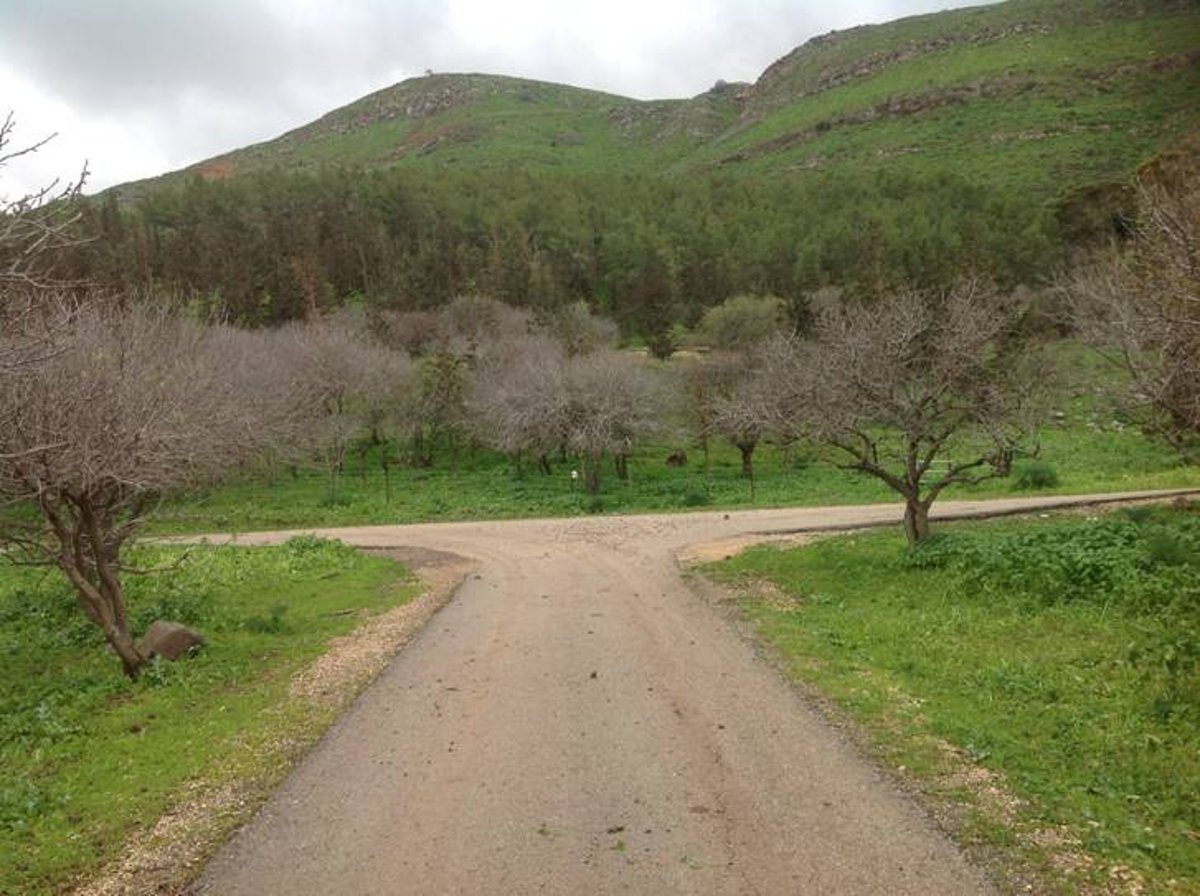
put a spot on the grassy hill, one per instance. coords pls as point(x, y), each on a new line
point(1029, 95)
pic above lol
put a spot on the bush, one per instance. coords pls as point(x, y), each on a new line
point(1037, 474)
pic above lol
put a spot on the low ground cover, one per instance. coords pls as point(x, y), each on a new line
point(88, 757)
point(1089, 450)
point(1044, 673)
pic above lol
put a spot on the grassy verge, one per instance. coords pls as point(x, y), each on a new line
point(1043, 677)
point(89, 759)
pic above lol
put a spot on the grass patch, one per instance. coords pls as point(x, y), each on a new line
point(90, 758)
point(1059, 660)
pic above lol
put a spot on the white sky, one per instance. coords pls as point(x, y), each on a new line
point(139, 87)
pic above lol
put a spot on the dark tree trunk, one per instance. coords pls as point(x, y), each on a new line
point(544, 463)
point(916, 520)
point(747, 450)
point(591, 473)
point(88, 555)
point(621, 464)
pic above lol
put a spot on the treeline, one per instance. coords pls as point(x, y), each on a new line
point(647, 252)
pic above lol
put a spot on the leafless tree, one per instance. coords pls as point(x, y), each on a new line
point(922, 390)
point(612, 400)
point(414, 332)
point(35, 225)
point(518, 399)
point(349, 385)
point(474, 320)
point(34, 228)
point(754, 402)
point(1141, 306)
point(130, 402)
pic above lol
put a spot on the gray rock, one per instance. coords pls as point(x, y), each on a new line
point(170, 640)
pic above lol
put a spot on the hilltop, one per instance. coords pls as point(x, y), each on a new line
point(1030, 94)
point(991, 140)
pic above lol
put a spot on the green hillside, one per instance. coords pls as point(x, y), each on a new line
point(1039, 95)
point(991, 140)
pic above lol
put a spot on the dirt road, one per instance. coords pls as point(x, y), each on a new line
point(576, 721)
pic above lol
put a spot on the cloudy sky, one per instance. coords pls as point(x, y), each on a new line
point(139, 87)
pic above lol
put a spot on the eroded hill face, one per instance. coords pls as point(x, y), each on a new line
point(1030, 95)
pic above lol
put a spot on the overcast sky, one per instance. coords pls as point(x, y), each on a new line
point(139, 87)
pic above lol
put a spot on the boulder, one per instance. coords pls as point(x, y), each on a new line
point(170, 640)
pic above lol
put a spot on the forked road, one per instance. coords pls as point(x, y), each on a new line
point(576, 721)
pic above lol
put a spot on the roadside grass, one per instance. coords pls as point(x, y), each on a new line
point(88, 758)
point(1038, 679)
point(1090, 449)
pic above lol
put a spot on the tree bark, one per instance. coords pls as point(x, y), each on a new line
point(621, 463)
point(916, 520)
point(591, 473)
point(747, 450)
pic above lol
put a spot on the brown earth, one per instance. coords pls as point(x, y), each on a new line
point(577, 721)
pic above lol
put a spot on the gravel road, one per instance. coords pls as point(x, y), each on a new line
point(577, 721)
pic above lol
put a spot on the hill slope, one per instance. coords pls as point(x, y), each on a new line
point(1039, 95)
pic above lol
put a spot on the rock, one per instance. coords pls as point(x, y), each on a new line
point(170, 640)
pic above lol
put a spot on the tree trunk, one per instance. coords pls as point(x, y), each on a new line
point(621, 463)
point(916, 520)
point(131, 658)
point(747, 449)
point(544, 463)
point(591, 473)
point(90, 565)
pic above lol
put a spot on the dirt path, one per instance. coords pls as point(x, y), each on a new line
point(577, 721)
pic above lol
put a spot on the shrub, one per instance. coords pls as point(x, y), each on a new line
point(1036, 474)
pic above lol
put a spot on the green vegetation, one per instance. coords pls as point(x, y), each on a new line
point(1045, 69)
point(984, 139)
point(89, 757)
point(1062, 657)
point(1087, 452)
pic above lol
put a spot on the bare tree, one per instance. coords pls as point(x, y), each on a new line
point(35, 225)
point(131, 402)
point(612, 399)
point(349, 385)
point(922, 390)
point(754, 400)
point(1141, 306)
point(34, 228)
point(471, 321)
point(518, 399)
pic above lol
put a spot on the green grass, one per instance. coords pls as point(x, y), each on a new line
point(89, 758)
point(1063, 656)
